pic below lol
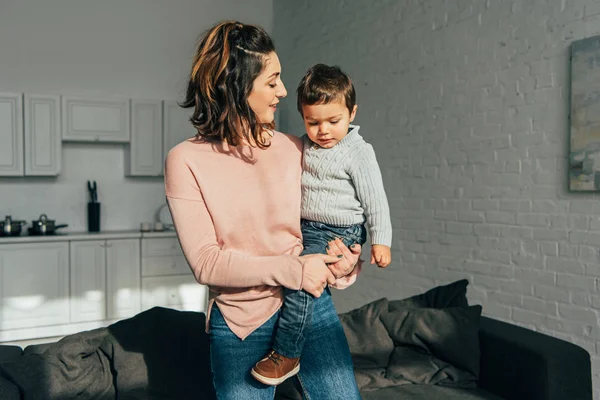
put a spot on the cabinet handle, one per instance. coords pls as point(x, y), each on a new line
point(108, 244)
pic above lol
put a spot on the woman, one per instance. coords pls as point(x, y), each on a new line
point(234, 194)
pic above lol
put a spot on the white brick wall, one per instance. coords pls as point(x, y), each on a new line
point(466, 103)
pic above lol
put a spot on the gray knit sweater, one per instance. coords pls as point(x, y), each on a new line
point(342, 186)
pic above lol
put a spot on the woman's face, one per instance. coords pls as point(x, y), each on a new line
point(267, 89)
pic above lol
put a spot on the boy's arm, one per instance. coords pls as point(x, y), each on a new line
point(366, 177)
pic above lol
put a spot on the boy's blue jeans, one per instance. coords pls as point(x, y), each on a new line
point(296, 312)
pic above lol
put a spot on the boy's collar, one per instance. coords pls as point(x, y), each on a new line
point(351, 136)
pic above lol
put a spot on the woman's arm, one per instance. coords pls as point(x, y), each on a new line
point(216, 267)
point(196, 233)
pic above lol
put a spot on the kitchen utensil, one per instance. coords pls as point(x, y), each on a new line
point(93, 189)
point(44, 226)
point(93, 213)
point(8, 227)
point(145, 227)
point(158, 227)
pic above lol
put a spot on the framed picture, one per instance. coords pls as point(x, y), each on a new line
point(584, 157)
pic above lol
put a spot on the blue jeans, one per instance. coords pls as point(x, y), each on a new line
point(296, 313)
point(327, 372)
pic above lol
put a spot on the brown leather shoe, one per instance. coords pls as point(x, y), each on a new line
point(275, 368)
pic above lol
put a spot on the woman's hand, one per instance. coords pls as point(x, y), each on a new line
point(315, 274)
point(346, 264)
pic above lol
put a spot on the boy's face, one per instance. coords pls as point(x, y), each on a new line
point(327, 124)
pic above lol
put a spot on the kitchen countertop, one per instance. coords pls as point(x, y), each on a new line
point(66, 236)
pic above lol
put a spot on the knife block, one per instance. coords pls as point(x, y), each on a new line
point(93, 214)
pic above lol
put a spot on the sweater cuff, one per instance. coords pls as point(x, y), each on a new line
point(383, 238)
point(292, 278)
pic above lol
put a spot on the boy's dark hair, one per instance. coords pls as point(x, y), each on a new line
point(323, 84)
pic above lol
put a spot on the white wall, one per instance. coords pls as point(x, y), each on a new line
point(124, 48)
point(466, 103)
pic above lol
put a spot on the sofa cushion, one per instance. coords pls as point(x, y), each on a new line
point(369, 341)
point(8, 390)
point(10, 353)
point(67, 369)
point(451, 295)
point(161, 354)
point(376, 378)
point(415, 366)
point(428, 392)
point(37, 348)
point(450, 335)
point(157, 354)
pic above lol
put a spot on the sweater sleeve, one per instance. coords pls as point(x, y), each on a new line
point(195, 230)
point(366, 177)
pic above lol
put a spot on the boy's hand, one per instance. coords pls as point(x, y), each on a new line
point(380, 254)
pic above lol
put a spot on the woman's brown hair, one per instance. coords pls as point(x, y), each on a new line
point(229, 57)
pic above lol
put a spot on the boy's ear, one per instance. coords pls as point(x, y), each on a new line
point(353, 113)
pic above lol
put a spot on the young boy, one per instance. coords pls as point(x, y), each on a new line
point(342, 189)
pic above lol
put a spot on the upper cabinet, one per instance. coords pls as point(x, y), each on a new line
point(95, 120)
point(42, 135)
point(29, 135)
point(177, 125)
point(11, 134)
point(32, 128)
point(143, 155)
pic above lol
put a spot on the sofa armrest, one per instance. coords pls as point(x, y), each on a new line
point(518, 363)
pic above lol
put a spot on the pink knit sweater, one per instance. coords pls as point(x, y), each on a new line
point(237, 215)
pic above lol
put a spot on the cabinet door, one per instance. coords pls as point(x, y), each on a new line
point(34, 289)
point(123, 278)
point(95, 120)
point(11, 134)
point(180, 292)
point(143, 155)
point(42, 135)
point(177, 125)
point(88, 280)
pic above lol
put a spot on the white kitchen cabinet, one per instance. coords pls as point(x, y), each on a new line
point(143, 155)
point(177, 125)
point(52, 287)
point(88, 280)
point(95, 120)
point(11, 134)
point(123, 278)
point(180, 292)
point(105, 279)
point(42, 135)
point(34, 285)
point(167, 280)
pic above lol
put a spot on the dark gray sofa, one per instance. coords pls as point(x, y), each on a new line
point(164, 354)
point(516, 364)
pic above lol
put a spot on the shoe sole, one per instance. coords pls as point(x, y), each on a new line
point(274, 381)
